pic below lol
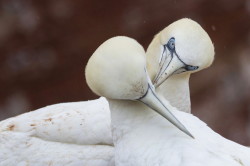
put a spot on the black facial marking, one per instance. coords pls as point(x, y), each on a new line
point(191, 68)
point(171, 47)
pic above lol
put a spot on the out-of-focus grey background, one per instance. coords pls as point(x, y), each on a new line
point(45, 44)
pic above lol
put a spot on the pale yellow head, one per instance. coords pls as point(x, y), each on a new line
point(117, 69)
point(183, 46)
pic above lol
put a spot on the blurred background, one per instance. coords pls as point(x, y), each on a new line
point(45, 44)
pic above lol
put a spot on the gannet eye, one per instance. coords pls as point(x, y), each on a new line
point(171, 44)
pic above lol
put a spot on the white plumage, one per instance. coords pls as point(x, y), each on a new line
point(151, 140)
point(66, 122)
point(22, 143)
point(61, 134)
point(64, 134)
point(21, 148)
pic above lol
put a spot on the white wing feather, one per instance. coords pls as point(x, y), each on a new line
point(63, 134)
point(80, 134)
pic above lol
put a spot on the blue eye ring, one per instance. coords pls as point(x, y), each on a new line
point(171, 44)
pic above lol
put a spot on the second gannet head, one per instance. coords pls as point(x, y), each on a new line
point(183, 46)
point(117, 70)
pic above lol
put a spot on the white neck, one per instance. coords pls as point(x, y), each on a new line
point(125, 115)
point(176, 90)
point(137, 131)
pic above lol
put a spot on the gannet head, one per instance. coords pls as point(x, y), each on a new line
point(117, 70)
point(183, 46)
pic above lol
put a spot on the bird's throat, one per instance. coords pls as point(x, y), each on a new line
point(176, 90)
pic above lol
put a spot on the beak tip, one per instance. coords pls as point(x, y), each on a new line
point(185, 130)
point(189, 134)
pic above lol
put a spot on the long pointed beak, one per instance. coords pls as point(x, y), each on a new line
point(169, 65)
point(152, 100)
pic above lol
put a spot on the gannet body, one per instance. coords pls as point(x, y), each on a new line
point(57, 135)
point(150, 140)
point(66, 123)
point(22, 148)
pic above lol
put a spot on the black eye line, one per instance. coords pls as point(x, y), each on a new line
point(186, 65)
point(164, 49)
point(172, 50)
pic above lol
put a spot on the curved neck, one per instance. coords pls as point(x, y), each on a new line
point(176, 90)
point(135, 125)
point(131, 117)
